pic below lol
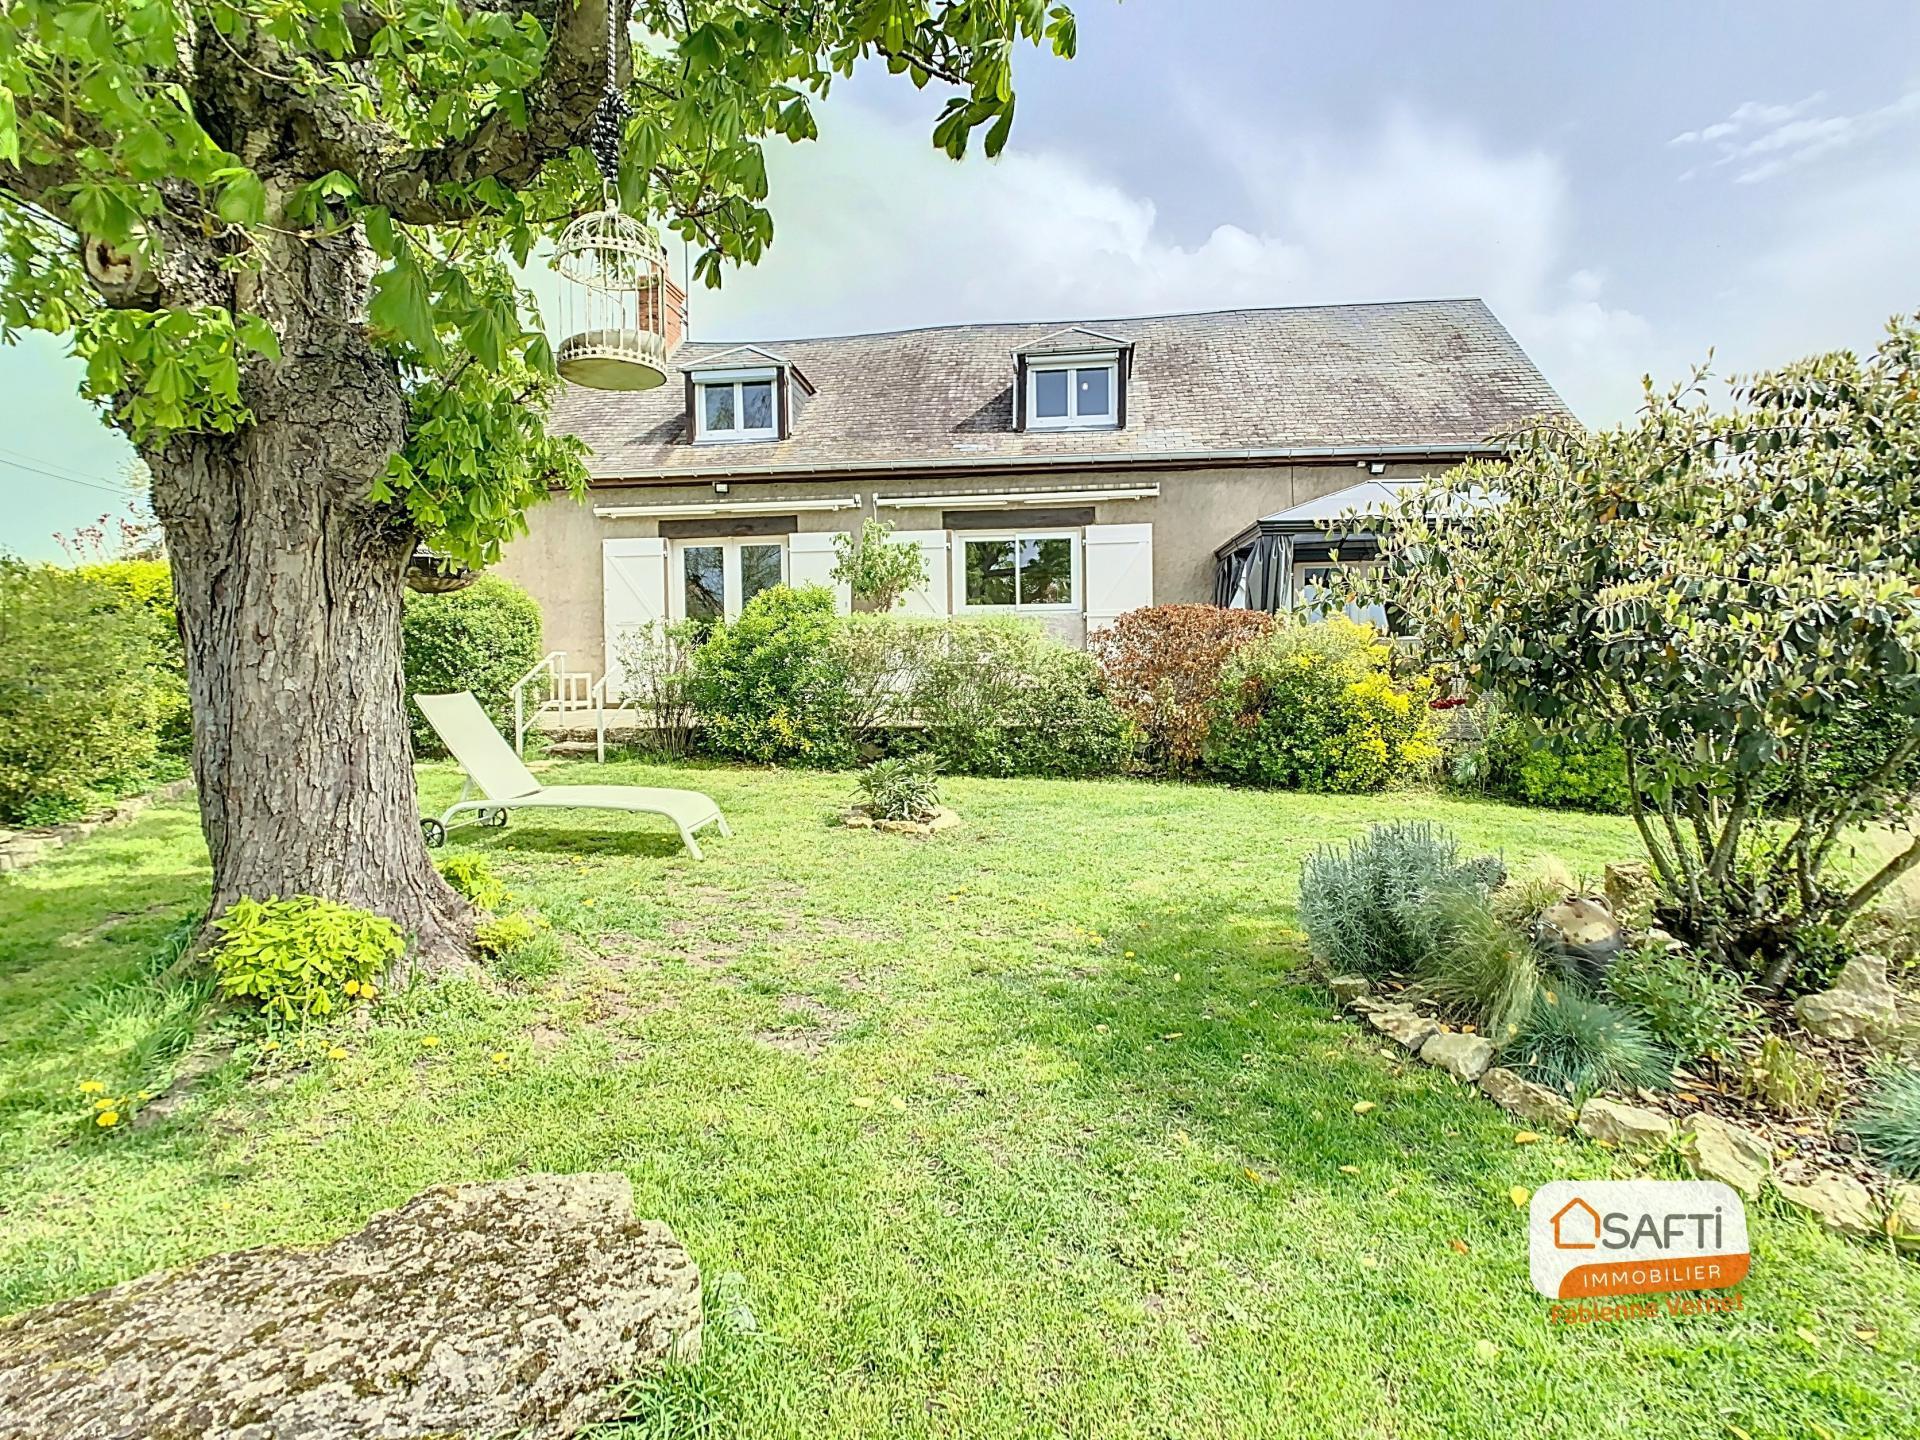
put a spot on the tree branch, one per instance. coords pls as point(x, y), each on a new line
point(411, 184)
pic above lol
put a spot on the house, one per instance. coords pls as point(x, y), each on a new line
point(1069, 472)
point(1576, 1226)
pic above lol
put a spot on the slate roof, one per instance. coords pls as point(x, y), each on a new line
point(1422, 373)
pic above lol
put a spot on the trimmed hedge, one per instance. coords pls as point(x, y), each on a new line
point(482, 638)
point(84, 687)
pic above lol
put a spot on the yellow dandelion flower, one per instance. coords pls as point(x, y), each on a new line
point(499, 1057)
point(91, 1087)
point(352, 987)
point(107, 1104)
point(107, 1118)
point(338, 1052)
point(429, 1040)
point(270, 1045)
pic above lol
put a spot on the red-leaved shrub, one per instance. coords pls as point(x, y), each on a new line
point(1161, 665)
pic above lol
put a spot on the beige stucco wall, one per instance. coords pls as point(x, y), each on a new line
point(558, 560)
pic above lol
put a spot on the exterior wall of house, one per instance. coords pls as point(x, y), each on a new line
point(559, 560)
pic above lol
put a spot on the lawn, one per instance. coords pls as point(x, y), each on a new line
point(1030, 1129)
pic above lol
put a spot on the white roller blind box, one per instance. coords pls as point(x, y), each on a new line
point(633, 583)
point(1118, 572)
point(810, 561)
point(930, 598)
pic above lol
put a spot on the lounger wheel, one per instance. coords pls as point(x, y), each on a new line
point(435, 832)
point(494, 819)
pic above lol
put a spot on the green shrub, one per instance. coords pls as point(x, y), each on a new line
point(1564, 770)
point(303, 957)
point(482, 638)
point(1479, 965)
point(764, 688)
point(472, 875)
point(1315, 707)
point(1888, 1121)
point(1693, 1006)
point(1368, 906)
point(83, 690)
point(507, 933)
point(902, 788)
point(1785, 1080)
point(656, 667)
point(1581, 1045)
point(880, 569)
point(1161, 665)
point(1001, 696)
point(143, 589)
point(879, 664)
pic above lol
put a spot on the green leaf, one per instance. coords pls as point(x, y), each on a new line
point(400, 306)
point(242, 199)
point(258, 336)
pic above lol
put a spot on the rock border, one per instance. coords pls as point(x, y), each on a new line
point(1713, 1147)
point(942, 819)
point(21, 848)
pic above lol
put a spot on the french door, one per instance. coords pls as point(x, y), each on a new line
point(712, 579)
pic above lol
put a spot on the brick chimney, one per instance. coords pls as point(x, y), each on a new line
point(663, 308)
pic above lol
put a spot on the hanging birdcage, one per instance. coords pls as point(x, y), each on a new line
point(613, 305)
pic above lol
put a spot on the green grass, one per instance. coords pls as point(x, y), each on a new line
point(1100, 1191)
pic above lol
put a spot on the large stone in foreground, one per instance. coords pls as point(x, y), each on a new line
point(1720, 1150)
point(1631, 1127)
point(1524, 1100)
point(1465, 1057)
point(1839, 1202)
point(474, 1310)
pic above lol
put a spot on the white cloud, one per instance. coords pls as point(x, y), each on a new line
point(876, 230)
point(1761, 141)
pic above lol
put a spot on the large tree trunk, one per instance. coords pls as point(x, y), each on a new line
point(289, 582)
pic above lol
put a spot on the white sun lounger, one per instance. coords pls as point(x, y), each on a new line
point(506, 784)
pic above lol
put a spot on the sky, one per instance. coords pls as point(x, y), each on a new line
point(1631, 186)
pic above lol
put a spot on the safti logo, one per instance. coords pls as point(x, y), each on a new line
point(1593, 1238)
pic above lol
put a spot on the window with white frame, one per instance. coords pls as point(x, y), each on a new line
point(714, 579)
point(1029, 571)
point(737, 405)
point(1073, 392)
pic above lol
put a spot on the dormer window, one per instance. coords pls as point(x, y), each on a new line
point(741, 392)
point(737, 405)
point(1072, 379)
point(1073, 394)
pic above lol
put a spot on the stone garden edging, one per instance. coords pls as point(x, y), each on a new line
point(21, 848)
point(1714, 1148)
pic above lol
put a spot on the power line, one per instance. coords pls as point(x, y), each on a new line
point(68, 479)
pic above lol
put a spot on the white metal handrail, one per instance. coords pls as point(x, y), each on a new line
point(554, 666)
point(597, 697)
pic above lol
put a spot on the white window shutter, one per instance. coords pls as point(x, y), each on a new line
point(930, 598)
point(1117, 573)
point(633, 583)
point(810, 561)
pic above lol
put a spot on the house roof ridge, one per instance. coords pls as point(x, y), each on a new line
point(1084, 323)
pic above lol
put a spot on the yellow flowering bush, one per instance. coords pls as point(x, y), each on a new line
point(302, 957)
point(1316, 707)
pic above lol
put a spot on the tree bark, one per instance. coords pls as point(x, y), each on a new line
point(289, 583)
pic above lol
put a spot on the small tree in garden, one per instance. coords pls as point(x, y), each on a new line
point(1736, 593)
point(1161, 665)
point(880, 569)
point(282, 236)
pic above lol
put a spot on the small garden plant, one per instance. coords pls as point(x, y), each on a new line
point(473, 876)
point(1888, 1121)
point(903, 788)
point(301, 958)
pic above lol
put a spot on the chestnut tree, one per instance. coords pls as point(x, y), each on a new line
point(284, 237)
